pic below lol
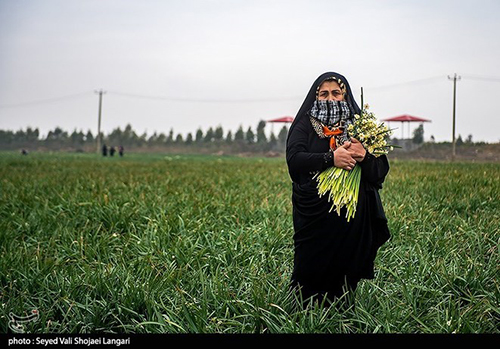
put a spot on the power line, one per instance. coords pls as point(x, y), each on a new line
point(195, 100)
point(482, 78)
point(412, 82)
point(256, 100)
point(43, 101)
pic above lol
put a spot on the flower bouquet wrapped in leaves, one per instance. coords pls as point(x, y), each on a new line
point(342, 186)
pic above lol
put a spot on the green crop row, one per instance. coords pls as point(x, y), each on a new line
point(203, 244)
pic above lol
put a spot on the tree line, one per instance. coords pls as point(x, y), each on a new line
point(213, 139)
point(209, 141)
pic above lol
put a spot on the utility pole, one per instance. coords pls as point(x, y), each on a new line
point(100, 92)
point(454, 78)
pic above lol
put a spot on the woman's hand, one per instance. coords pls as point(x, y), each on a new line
point(355, 149)
point(342, 158)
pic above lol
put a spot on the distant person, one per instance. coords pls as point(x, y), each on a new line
point(112, 151)
point(104, 150)
point(331, 254)
point(24, 152)
point(121, 150)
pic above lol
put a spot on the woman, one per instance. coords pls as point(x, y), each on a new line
point(332, 255)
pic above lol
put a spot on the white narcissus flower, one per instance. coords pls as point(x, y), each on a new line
point(342, 186)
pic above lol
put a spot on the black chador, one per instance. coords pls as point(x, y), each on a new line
point(329, 252)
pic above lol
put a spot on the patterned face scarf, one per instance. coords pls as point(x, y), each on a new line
point(330, 113)
point(330, 119)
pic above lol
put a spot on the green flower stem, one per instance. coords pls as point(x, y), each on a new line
point(342, 188)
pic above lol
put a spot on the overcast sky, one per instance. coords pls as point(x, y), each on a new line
point(192, 64)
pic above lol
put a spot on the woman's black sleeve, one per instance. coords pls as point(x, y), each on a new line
point(374, 169)
point(299, 158)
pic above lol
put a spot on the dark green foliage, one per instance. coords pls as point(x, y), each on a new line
point(204, 244)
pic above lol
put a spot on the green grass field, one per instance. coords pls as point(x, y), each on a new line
point(203, 244)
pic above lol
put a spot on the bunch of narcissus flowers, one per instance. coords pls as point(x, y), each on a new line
point(342, 186)
point(370, 133)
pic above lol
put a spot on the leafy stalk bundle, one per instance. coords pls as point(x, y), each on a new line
point(342, 186)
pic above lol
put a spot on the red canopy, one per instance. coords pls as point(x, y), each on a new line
point(407, 118)
point(283, 119)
